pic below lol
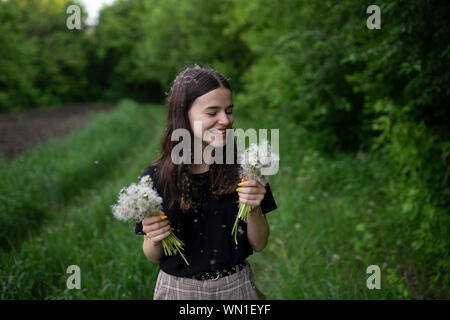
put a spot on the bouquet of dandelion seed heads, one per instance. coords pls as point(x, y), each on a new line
point(140, 201)
point(253, 160)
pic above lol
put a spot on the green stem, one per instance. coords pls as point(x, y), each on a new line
point(244, 209)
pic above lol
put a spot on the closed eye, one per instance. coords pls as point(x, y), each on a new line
point(215, 113)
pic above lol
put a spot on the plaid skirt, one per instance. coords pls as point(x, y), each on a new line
point(237, 286)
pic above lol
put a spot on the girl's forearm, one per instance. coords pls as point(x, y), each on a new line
point(152, 251)
point(257, 229)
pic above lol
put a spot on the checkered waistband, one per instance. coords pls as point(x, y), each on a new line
point(217, 274)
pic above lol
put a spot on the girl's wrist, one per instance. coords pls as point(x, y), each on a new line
point(255, 210)
point(155, 244)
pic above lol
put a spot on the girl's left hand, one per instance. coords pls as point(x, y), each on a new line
point(251, 192)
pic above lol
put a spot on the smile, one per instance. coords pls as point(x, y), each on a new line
point(222, 132)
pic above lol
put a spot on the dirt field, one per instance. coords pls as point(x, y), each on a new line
point(26, 129)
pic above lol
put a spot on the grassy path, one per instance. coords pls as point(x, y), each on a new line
point(332, 221)
point(83, 233)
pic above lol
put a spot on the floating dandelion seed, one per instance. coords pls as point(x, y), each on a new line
point(336, 257)
point(297, 226)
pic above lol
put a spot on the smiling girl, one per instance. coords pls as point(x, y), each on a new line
point(200, 201)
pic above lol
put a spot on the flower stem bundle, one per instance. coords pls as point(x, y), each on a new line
point(244, 210)
point(140, 201)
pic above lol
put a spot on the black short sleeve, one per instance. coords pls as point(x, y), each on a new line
point(268, 203)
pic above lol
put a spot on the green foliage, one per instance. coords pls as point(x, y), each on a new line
point(420, 185)
point(311, 68)
point(319, 68)
point(141, 45)
point(41, 61)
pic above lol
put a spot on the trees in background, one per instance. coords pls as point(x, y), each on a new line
point(312, 65)
point(41, 61)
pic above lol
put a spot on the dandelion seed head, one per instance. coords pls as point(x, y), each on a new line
point(137, 201)
point(255, 158)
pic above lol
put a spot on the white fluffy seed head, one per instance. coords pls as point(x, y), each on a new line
point(137, 201)
point(255, 158)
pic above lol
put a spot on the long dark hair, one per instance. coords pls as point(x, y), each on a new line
point(189, 84)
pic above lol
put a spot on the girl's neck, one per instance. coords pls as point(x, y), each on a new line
point(199, 168)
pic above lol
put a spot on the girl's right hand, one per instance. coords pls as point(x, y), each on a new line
point(156, 228)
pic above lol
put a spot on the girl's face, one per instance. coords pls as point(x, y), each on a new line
point(210, 115)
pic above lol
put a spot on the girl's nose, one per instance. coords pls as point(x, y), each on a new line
point(224, 120)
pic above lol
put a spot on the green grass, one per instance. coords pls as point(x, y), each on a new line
point(333, 219)
point(83, 232)
point(42, 180)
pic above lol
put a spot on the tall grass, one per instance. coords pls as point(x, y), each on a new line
point(333, 221)
point(84, 233)
point(41, 181)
